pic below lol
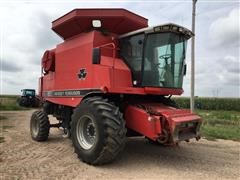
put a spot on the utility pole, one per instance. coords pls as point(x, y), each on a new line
point(193, 56)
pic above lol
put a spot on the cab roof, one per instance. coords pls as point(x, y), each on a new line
point(168, 27)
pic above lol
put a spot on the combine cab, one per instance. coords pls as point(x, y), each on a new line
point(113, 77)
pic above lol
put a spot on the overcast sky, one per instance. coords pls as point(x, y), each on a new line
point(26, 33)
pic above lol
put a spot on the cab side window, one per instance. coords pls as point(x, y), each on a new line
point(131, 50)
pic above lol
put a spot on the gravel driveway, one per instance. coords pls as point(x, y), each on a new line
point(23, 158)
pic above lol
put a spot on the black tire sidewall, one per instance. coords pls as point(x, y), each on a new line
point(34, 120)
point(91, 154)
point(43, 124)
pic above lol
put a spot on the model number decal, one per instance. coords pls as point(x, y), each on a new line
point(71, 92)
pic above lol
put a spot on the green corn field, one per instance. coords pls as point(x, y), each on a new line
point(202, 103)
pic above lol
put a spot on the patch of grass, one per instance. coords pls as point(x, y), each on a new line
point(10, 104)
point(2, 117)
point(220, 124)
point(8, 96)
point(221, 132)
point(1, 139)
point(6, 127)
point(11, 107)
point(3, 128)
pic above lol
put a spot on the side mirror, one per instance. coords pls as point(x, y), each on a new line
point(96, 56)
point(184, 69)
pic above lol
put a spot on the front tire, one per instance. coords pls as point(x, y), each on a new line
point(98, 131)
point(39, 126)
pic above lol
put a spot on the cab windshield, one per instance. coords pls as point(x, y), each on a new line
point(156, 60)
point(163, 63)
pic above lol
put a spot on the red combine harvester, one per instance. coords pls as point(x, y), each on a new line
point(113, 77)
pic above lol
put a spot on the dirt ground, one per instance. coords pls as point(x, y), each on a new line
point(23, 158)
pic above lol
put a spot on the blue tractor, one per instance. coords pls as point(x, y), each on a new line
point(29, 98)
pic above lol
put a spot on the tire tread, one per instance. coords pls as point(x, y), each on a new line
point(113, 127)
point(44, 126)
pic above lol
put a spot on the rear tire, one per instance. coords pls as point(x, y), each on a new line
point(24, 102)
point(39, 126)
point(35, 102)
point(98, 131)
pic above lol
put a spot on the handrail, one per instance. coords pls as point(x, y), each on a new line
point(113, 48)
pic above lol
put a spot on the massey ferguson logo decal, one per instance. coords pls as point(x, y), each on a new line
point(82, 74)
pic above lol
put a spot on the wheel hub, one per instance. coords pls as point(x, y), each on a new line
point(86, 132)
point(91, 130)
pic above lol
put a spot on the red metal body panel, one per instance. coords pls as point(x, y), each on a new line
point(73, 101)
point(112, 74)
point(70, 57)
point(174, 116)
point(117, 21)
point(149, 121)
point(140, 121)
